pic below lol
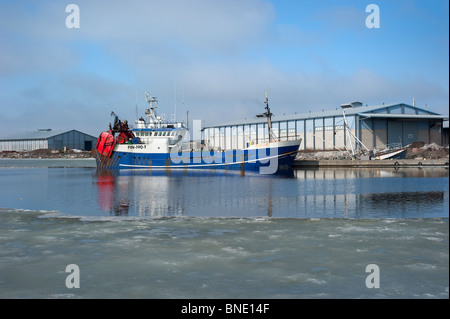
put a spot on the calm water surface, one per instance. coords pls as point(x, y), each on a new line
point(222, 235)
point(324, 193)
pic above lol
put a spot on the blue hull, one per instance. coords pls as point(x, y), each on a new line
point(266, 161)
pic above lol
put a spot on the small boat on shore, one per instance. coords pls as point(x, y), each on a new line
point(158, 144)
point(391, 152)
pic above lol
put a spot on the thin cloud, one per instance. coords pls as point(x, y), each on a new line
point(211, 58)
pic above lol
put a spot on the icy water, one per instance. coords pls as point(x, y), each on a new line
point(222, 235)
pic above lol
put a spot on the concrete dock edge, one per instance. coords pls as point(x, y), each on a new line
point(368, 163)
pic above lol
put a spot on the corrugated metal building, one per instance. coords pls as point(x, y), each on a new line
point(376, 126)
point(48, 139)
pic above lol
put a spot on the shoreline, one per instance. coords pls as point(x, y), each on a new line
point(394, 163)
point(47, 154)
point(418, 154)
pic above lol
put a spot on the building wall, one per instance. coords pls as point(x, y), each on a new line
point(423, 132)
point(436, 133)
point(404, 132)
point(341, 139)
point(23, 145)
point(329, 133)
point(367, 133)
point(445, 136)
point(410, 132)
point(394, 132)
point(71, 140)
point(380, 131)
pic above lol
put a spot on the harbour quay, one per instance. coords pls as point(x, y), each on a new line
point(417, 154)
point(395, 163)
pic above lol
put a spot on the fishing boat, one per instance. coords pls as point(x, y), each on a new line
point(157, 144)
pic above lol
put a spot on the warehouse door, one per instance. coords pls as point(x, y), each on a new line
point(395, 132)
point(409, 133)
point(87, 145)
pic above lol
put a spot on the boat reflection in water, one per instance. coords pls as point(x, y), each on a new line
point(112, 195)
point(322, 193)
point(170, 193)
point(118, 192)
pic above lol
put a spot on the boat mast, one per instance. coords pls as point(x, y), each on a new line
point(347, 129)
point(350, 133)
point(269, 119)
point(150, 113)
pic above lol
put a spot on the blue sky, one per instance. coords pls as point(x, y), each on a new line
point(215, 59)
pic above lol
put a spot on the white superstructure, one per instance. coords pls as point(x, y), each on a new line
point(156, 135)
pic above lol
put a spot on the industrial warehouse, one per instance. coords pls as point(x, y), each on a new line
point(48, 139)
point(376, 127)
